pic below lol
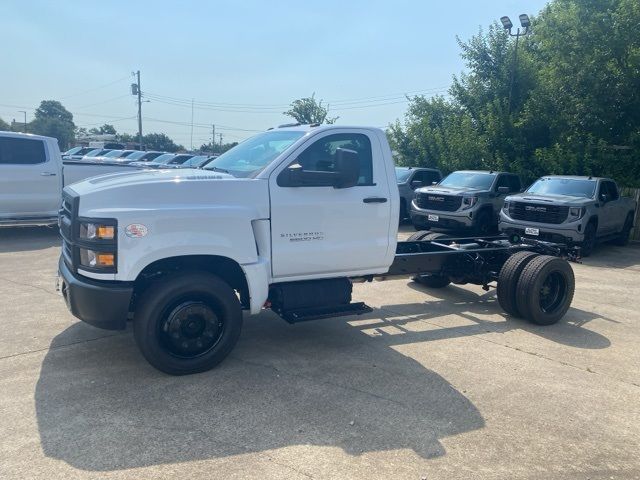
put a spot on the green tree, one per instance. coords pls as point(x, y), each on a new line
point(159, 141)
point(53, 120)
point(105, 129)
point(216, 148)
point(4, 125)
point(308, 111)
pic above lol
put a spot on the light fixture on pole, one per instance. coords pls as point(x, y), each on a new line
point(507, 25)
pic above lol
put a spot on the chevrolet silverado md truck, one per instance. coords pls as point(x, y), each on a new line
point(32, 175)
point(286, 220)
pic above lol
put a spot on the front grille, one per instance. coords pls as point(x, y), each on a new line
point(67, 220)
point(435, 201)
point(538, 213)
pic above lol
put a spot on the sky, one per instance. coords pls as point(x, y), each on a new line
point(241, 62)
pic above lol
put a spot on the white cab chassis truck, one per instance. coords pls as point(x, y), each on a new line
point(286, 220)
point(32, 176)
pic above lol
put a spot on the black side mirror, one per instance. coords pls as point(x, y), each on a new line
point(604, 198)
point(504, 190)
point(416, 184)
point(434, 183)
point(347, 168)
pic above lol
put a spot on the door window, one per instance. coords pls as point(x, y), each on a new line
point(321, 155)
point(611, 190)
point(21, 151)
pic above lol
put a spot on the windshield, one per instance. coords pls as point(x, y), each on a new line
point(164, 158)
point(402, 174)
point(572, 187)
point(179, 159)
point(252, 155)
point(474, 180)
point(136, 155)
point(96, 152)
point(196, 161)
point(113, 153)
point(72, 151)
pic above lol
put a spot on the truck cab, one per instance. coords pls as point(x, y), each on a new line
point(464, 200)
point(411, 178)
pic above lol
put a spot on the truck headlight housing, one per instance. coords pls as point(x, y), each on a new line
point(96, 259)
point(576, 213)
point(97, 231)
point(505, 206)
point(468, 202)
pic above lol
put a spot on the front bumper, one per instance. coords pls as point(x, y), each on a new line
point(103, 304)
point(563, 233)
point(458, 219)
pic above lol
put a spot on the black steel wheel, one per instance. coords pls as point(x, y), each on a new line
point(187, 323)
point(545, 290)
point(508, 280)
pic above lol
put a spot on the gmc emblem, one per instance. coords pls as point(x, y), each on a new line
point(436, 199)
point(535, 209)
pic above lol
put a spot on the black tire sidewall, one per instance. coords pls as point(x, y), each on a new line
point(589, 242)
point(159, 296)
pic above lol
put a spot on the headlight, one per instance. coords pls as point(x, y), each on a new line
point(96, 259)
point(468, 202)
point(97, 231)
point(576, 213)
point(505, 206)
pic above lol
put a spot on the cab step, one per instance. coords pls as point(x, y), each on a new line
point(318, 313)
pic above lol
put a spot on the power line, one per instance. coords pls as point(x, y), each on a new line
point(94, 89)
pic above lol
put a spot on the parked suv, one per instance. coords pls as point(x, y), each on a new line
point(574, 210)
point(466, 199)
point(409, 179)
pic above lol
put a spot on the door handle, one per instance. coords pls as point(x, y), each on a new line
point(374, 200)
point(47, 174)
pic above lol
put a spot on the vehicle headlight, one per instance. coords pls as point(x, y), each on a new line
point(576, 213)
point(97, 231)
point(96, 259)
point(468, 202)
point(505, 206)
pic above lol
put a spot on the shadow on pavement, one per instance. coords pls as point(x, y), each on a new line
point(466, 304)
point(22, 239)
point(101, 407)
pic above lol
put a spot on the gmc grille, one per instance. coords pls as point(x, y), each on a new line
point(435, 201)
point(68, 216)
point(538, 213)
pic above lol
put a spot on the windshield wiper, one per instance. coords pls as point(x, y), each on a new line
point(218, 169)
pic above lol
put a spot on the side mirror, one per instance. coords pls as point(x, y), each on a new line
point(347, 168)
point(415, 184)
point(345, 173)
point(604, 198)
point(504, 190)
point(434, 183)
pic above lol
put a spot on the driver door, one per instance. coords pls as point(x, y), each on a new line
point(325, 231)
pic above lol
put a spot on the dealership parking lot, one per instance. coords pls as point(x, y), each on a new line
point(431, 384)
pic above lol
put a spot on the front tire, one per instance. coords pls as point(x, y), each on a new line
point(589, 241)
point(484, 223)
point(187, 323)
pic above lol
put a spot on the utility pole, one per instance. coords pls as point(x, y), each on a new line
point(213, 138)
point(25, 119)
point(220, 142)
point(139, 92)
point(192, 124)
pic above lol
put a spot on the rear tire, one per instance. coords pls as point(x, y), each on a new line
point(623, 239)
point(508, 280)
point(187, 323)
point(545, 290)
point(418, 236)
point(431, 281)
point(589, 241)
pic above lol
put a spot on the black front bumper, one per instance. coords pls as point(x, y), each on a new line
point(103, 304)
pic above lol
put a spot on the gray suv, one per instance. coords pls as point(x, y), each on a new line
point(410, 178)
point(573, 210)
point(464, 200)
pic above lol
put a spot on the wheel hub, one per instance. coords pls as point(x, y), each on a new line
point(191, 329)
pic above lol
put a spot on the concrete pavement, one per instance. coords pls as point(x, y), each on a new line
point(432, 384)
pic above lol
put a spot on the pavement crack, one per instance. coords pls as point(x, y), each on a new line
point(29, 285)
point(57, 347)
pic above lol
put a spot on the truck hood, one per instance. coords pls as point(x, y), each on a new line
point(145, 177)
point(550, 199)
point(449, 190)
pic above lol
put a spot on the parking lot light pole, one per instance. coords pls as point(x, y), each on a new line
point(506, 23)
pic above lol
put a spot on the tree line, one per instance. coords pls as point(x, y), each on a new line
point(575, 99)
